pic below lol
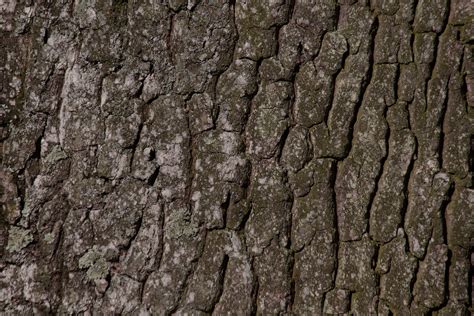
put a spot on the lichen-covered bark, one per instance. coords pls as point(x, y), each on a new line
point(300, 157)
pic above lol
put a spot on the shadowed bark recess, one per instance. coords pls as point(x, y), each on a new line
point(276, 157)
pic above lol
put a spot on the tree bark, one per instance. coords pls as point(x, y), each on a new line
point(237, 157)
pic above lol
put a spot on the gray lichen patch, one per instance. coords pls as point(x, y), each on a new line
point(96, 265)
point(179, 224)
point(55, 155)
point(98, 270)
point(89, 258)
point(49, 238)
point(18, 238)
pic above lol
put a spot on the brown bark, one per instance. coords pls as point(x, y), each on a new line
point(237, 157)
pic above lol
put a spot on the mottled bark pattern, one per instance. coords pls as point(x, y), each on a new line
point(198, 157)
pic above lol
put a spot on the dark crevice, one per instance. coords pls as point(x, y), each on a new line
point(364, 89)
point(137, 228)
point(225, 207)
point(382, 167)
point(220, 283)
point(278, 151)
point(470, 282)
point(335, 220)
point(152, 179)
point(292, 278)
point(440, 123)
point(328, 110)
point(406, 187)
point(289, 246)
point(471, 154)
point(255, 292)
point(57, 244)
point(135, 144)
point(191, 269)
point(415, 277)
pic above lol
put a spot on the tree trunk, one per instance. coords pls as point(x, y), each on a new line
point(237, 157)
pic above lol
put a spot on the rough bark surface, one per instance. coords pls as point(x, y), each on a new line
point(243, 157)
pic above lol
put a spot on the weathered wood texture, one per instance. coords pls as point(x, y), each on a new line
point(300, 157)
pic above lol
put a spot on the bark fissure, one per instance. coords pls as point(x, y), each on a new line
point(246, 157)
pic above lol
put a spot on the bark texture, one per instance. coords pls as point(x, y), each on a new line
point(242, 157)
